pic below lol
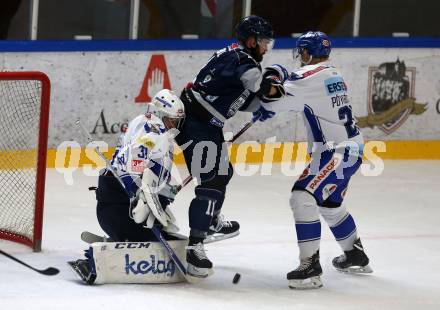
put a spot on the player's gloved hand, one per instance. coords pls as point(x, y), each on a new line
point(140, 211)
point(271, 87)
point(278, 71)
point(262, 115)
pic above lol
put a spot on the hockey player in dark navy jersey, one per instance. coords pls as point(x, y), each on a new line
point(231, 81)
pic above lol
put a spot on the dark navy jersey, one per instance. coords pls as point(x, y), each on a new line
point(228, 82)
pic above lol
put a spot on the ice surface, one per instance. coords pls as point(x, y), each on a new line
point(397, 214)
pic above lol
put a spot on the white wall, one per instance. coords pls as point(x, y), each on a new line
point(85, 83)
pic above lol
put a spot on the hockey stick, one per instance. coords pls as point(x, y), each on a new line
point(154, 229)
point(235, 137)
point(51, 271)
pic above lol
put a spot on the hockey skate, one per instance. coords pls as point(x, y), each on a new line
point(353, 261)
point(221, 229)
point(199, 265)
point(307, 275)
point(81, 268)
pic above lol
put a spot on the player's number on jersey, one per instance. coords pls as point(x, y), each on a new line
point(346, 114)
point(143, 152)
point(211, 207)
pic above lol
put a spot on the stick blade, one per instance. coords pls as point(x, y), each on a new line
point(51, 271)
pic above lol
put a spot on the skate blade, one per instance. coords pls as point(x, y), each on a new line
point(198, 273)
point(356, 269)
point(306, 284)
point(219, 237)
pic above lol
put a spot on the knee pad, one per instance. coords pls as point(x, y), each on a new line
point(333, 215)
point(304, 206)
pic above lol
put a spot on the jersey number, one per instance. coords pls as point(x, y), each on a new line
point(346, 114)
point(211, 207)
point(143, 152)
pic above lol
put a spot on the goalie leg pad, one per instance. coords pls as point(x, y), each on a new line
point(136, 262)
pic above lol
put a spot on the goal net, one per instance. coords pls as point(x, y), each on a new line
point(24, 118)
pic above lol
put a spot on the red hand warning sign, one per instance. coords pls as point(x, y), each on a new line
point(156, 78)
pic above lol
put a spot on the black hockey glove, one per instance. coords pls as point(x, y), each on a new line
point(274, 76)
point(269, 82)
point(277, 70)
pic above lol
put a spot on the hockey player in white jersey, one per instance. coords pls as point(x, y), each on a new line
point(143, 162)
point(335, 144)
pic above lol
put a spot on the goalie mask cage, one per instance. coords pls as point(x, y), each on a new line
point(24, 119)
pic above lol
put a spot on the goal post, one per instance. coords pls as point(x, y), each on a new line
point(24, 121)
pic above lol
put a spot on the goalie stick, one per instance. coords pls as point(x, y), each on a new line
point(50, 271)
point(90, 238)
point(154, 229)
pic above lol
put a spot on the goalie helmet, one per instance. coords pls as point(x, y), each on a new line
point(170, 108)
point(316, 43)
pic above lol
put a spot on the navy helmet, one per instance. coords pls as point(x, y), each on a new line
point(316, 43)
point(253, 26)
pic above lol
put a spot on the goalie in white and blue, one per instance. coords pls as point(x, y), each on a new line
point(126, 213)
point(317, 90)
point(144, 163)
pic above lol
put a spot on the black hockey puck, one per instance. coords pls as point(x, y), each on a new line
point(236, 278)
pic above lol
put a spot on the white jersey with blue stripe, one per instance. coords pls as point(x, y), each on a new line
point(320, 93)
point(145, 145)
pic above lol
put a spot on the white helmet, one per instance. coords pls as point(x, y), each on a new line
point(170, 107)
